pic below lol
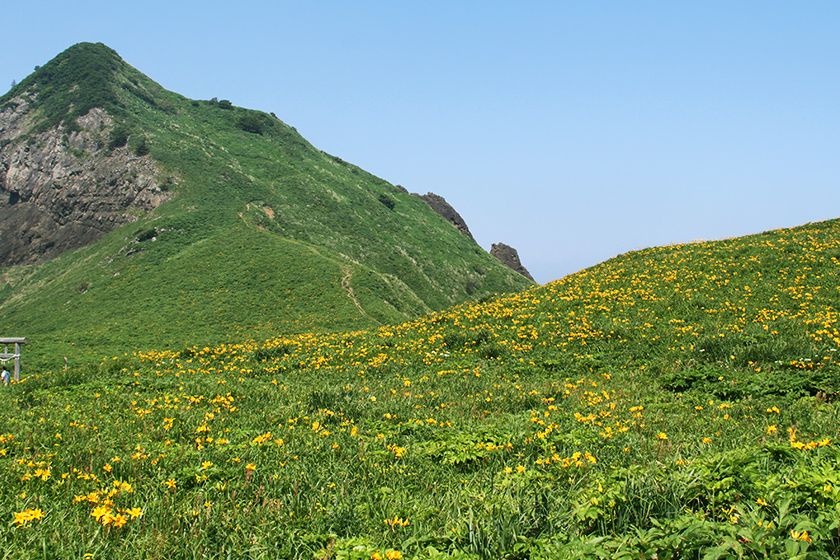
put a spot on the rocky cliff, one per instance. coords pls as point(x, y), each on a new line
point(61, 189)
point(505, 253)
point(439, 205)
point(510, 257)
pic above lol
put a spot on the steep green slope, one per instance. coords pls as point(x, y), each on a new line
point(264, 232)
point(672, 403)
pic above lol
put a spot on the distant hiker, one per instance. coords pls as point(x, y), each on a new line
point(7, 377)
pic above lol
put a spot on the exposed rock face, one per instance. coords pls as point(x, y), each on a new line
point(505, 253)
point(439, 205)
point(510, 257)
point(61, 190)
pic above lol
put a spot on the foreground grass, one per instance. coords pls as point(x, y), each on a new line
point(673, 403)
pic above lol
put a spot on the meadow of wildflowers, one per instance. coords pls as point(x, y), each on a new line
point(677, 402)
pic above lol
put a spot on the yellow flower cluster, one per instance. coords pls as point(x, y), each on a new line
point(397, 522)
point(806, 445)
point(24, 517)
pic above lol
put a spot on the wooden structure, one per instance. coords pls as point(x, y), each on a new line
point(5, 356)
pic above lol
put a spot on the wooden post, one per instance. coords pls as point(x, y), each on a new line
point(17, 362)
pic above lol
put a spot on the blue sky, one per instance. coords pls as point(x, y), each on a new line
point(573, 131)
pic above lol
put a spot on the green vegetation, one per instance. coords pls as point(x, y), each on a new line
point(264, 233)
point(81, 78)
point(119, 137)
point(673, 403)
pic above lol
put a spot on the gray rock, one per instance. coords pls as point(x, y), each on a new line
point(510, 257)
point(61, 190)
point(439, 205)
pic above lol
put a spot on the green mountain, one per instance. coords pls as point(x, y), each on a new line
point(133, 217)
point(676, 403)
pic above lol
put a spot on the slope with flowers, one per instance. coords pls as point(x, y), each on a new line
point(677, 402)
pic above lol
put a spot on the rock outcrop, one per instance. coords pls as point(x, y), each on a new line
point(505, 253)
point(439, 205)
point(62, 189)
point(510, 257)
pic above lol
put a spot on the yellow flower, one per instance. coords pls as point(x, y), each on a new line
point(800, 536)
point(396, 450)
point(123, 486)
point(772, 430)
point(134, 512)
point(661, 436)
point(102, 514)
point(23, 517)
point(261, 439)
point(393, 555)
point(397, 522)
point(170, 484)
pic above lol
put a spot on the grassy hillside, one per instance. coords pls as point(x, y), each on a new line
point(265, 233)
point(679, 402)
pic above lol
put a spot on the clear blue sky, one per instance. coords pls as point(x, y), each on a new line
point(574, 131)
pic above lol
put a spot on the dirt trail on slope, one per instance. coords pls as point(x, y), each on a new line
point(346, 276)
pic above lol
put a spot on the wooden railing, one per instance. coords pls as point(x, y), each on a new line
point(5, 356)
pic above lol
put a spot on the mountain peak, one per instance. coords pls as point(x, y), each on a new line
point(88, 51)
point(82, 77)
point(79, 66)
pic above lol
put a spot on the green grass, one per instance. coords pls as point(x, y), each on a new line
point(673, 403)
point(71, 84)
point(261, 231)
